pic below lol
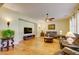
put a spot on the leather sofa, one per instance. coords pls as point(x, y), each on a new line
point(51, 34)
point(74, 46)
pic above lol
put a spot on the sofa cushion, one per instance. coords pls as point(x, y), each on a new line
point(70, 40)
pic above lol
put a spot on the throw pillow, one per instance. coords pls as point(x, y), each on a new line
point(70, 40)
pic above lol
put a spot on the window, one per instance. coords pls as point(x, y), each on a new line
point(77, 21)
point(72, 24)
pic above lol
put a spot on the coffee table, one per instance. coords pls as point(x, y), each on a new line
point(48, 39)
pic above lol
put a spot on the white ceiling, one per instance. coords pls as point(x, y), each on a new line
point(39, 10)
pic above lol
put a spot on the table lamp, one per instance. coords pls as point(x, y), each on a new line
point(60, 32)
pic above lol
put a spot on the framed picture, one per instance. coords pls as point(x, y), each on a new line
point(51, 27)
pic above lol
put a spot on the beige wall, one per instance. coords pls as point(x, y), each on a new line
point(63, 25)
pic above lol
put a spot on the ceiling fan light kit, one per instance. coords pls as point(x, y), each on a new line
point(48, 19)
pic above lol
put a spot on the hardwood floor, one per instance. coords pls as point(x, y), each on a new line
point(35, 46)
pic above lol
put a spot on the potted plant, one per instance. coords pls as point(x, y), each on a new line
point(7, 34)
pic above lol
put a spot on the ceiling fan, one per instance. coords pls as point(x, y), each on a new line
point(48, 18)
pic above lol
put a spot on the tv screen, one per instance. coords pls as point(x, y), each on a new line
point(27, 30)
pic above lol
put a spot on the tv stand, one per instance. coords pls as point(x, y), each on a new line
point(30, 36)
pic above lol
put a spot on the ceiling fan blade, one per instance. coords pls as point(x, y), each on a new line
point(51, 19)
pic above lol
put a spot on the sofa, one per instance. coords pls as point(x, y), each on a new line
point(74, 46)
point(51, 34)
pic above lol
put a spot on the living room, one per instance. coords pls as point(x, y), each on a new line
point(31, 22)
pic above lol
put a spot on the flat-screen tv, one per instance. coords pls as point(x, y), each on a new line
point(27, 30)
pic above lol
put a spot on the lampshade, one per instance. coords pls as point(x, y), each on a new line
point(70, 34)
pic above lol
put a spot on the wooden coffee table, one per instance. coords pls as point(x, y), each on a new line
point(48, 39)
